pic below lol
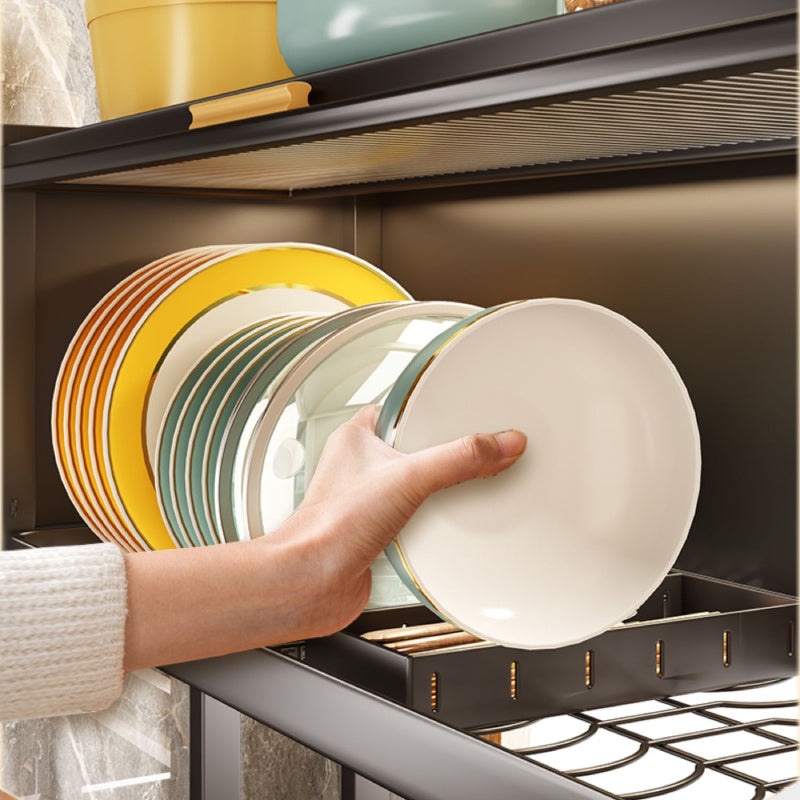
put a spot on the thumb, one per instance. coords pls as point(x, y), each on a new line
point(476, 456)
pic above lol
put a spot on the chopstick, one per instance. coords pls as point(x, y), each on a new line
point(413, 639)
point(410, 632)
point(434, 642)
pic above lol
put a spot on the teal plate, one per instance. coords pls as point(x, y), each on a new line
point(172, 421)
point(222, 373)
point(255, 387)
point(203, 442)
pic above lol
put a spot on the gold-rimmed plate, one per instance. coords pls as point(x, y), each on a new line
point(300, 271)
point(70, 395)
point(578, 533)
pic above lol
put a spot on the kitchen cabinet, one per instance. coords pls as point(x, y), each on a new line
point(640, 155)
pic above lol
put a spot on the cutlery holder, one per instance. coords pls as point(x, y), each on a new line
point(736, 635)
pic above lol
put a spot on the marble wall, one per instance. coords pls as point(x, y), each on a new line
point(139, 748)
point(278, 768)
point(47, 64)
point(136, 750)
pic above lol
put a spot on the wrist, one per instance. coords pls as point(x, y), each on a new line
point(324, 592)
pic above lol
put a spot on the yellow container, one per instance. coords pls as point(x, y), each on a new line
point(153, 53)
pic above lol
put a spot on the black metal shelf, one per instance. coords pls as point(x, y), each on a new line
point(425, 759)
point(418, 758)
point(423, 756)
point(641, 83)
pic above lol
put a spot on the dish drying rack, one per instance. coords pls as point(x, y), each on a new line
point(692, 634)
point(738, 743)
point(664, 668)
point(688, 77)
point(308, 690)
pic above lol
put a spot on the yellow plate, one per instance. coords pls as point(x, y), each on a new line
point(311, 268)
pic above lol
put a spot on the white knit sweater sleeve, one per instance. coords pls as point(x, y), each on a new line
point(62, 629)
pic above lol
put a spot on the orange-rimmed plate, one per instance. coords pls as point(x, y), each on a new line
point(72, 393)
point(90, 423)
point(69, 386)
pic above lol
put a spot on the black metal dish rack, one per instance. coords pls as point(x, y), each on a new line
point(692, 634)
point(655, 91)
point(772, 732)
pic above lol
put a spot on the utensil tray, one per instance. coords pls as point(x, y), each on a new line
point(736, 635)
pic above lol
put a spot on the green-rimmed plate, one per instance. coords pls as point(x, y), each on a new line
point(582, 529)
point(175, 436)
point(256, 385)
point(193, 500)
point(352, 368)
point(217, 418)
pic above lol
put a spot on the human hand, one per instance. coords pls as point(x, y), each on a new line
point(362, 494)
point(311, 576)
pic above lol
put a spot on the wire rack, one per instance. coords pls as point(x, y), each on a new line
point(737, 744)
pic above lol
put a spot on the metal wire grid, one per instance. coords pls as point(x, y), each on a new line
point(770, 734)
point(740, 109)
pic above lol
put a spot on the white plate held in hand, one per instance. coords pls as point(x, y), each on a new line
point(581, 530)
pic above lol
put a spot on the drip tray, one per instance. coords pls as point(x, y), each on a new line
point(693, 634)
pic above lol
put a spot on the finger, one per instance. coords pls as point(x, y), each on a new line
point(477, 456)
point(366, 418)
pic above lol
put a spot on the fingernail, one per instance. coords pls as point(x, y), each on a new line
point(512, 443)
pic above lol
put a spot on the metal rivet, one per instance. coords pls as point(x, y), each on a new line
point(726, 648)
point(588, 669)
point(434, 692)
point(513, 679)
point(660, 658)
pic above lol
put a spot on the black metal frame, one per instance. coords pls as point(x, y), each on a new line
point(423, 759)
point(636, 44)
point(416, 757)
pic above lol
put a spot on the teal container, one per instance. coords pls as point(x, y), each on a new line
point(320, 34)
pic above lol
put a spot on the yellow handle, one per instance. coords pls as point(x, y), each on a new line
point(269, 100)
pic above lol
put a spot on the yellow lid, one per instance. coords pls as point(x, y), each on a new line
point(99, 8)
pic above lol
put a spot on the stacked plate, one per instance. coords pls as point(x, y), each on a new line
point(193, 404)
point(134, 350)
point(244, 431)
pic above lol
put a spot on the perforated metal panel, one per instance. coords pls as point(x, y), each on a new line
point(688, 118)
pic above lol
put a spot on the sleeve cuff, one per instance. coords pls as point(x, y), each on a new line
point(62, 630)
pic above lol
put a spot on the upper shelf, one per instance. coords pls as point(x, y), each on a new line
point(640, 83)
